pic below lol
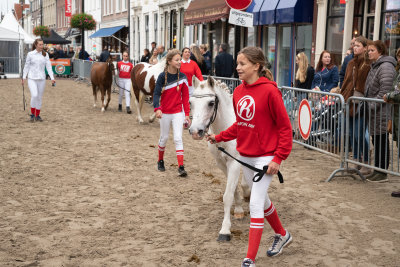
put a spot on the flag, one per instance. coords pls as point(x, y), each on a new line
point(68, 8)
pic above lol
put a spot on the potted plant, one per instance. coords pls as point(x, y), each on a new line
point(42, 31)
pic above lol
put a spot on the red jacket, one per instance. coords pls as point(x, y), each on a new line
point(124, 69)
point(262, 126)
point(189, 69)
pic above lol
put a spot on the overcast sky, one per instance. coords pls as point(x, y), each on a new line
point(7, 5)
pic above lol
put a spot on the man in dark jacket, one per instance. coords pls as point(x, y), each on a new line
point(104, 55)
point(60, 52)
point(346, 61)
point(224, 63)
point(83, 55)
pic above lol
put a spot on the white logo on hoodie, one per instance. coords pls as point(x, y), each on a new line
point(246, 108)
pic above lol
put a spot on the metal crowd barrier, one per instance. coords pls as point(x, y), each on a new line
point(372, 145)
point(81, 69)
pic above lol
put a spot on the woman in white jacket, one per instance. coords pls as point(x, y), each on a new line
point(36, 62)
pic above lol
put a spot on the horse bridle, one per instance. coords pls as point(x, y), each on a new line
point(214, 115)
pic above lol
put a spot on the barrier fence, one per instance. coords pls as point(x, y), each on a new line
point(354, 132)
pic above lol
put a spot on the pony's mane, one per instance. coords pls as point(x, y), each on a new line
point(224, 87)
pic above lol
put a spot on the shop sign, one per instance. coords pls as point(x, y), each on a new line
point(238, 4)
point(68, 8)
point(240, 18)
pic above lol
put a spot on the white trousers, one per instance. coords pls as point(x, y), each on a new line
point(37, 89)
point(177, 121)
point(126, 84)
point(259, 199)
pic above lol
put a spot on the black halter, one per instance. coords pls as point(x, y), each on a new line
point(214, 115)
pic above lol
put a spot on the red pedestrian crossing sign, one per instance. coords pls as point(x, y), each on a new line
point(305, 119)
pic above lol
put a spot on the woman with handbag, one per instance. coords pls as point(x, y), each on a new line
point(353, 85)
point(379, 82)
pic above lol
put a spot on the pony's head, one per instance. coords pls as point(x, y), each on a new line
point(110, 64)
point(203, 105)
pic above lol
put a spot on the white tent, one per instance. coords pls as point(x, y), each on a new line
point(11, 52)
point(9, 22)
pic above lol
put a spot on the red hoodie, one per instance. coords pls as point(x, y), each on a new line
point(190, 69)
point(262, 126)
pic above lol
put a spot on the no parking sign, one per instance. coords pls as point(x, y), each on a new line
point(305, 119)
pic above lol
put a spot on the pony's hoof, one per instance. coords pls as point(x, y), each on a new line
point(151, 120)
point(102, 110)
point(239, 215)
point(224, 238)
point(247, 199)
point(94, 105)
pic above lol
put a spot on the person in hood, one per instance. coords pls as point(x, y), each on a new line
point(264, 137)
point(379, 82)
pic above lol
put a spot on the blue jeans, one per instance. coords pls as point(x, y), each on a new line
point(358, 138)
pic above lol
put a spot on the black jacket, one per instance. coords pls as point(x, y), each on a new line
point(104, 56)
point(309, 78)
point(145, 58)
point(224, 65)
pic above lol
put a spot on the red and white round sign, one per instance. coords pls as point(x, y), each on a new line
point(305, 119)
point(238, 4)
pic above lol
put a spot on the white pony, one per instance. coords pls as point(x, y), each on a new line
point(144, 77)
point(212, 107)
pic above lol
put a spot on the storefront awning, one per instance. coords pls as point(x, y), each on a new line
point(202, 11)
point(263, 11)
point(294, 11)
point(106, 32)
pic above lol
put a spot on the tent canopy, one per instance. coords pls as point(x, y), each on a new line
point(7, 35)
point(106, 32)
point(54, 38)
point(9, 22)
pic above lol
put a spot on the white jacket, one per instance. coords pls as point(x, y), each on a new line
point(35, 65)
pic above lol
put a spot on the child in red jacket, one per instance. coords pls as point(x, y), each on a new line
point(171, 105)
point(264, 137)
point(124, 81)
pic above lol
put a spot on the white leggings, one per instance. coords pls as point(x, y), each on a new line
point(37, 89)
point(126, 84)
point(259, 199)
point(177, 120)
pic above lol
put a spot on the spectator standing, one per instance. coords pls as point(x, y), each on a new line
point(346, 61)
point(153, 47)
point(52, 53)
point(153, 60)
point(264, 138)
point(354, 85)
point(83, 55)
point(124, 68)
point(207, 57)
point(394, 97)
point(379, 82)
point(71, 52)
point(60, 52)
point(305, 73)
point(161, 52)
point(327, 74)
point(199, 59)
point(146, 56)
point(224, 63)
point(190, 69)
point(105, 54)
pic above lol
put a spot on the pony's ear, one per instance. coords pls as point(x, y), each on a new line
point(195, 81)
point(210, 81)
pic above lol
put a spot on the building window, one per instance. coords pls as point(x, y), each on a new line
point(124, 5)
point(284, 55)
point(390, 26)
point(335, 29)
point(117, 5)
point(146, 28)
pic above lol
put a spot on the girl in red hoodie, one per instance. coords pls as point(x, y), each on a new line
point(264, 137)
point(124, 68)
point(190, 69)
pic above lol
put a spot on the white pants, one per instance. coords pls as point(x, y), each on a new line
point(126, 84)
point(177, 121)
point(259, 199)
point(37, 89)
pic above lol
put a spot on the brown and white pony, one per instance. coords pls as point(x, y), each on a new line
point(101, 77)
point(144, 77)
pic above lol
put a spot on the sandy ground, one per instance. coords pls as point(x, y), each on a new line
point(81, 189)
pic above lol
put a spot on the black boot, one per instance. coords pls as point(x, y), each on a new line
point(32, 118)
point(181, 171)
point(128, 110)
point(160, 166)
point(120, 108)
